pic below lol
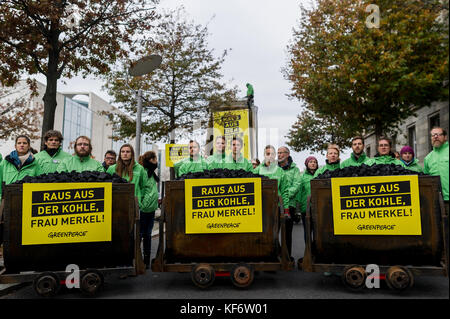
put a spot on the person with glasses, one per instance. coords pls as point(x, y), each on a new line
point(109, 159)
point(52, 154)
point(81, 161)
point(436, 162)
point(384, 152)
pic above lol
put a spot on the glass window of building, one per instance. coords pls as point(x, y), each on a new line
point(77, 121)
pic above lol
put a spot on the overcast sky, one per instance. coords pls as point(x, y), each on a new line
point(257, 32)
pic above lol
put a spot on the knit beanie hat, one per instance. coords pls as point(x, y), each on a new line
point(408, 149)
point(309, 158)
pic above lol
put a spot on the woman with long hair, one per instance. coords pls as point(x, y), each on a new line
point(127, 168)
point(149, 161)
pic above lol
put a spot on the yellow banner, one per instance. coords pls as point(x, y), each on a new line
point(229, 205)
point(376, 205)
point(55, 213)
point(230, 124)
point(175, 153)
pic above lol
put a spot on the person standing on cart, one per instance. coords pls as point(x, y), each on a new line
point(332, 161)
point(407, 157)
point(385, 154)
point(217, 160)
point(236, 160)
point(81, 161)
point(194, 163)
point(436, 162)
point(52, 154)
point(358, 156)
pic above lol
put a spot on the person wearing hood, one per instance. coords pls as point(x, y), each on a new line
point(217, 160)
point(436, 162)
point(293, 179)
point(19, 163)
point(384, 152)
point(194, 163)
point(358, 156)
point(332, 161)
point(81, 161)
point(311, 166)
point(149, 161)
point(407, 157)
point(52, 154)
point(269, 167)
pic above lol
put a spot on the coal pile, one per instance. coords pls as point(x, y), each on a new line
point(366, 170)
point(73, 177)
point(220, 173)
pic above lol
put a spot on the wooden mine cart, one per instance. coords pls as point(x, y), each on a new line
point(206, 256)
point(46, 264)
point(399, 257)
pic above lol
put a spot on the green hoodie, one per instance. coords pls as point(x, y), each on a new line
point(79, 164)
point(9, 173)
point(216, 161)
point(387, 159)
point(413, 166)
point(305, 190)
point(293, 181)
point(275, 172)
point(144, 188)
point(48, 163)
point(240, 163)
point(436, 163)
point(326, 167)
point(362, 159)
point(188, 165)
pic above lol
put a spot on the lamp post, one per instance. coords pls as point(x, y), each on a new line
point(143, 66)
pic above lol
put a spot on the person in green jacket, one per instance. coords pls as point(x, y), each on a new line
point(250, 94)
point(311, 166)
point(217, 160)
point(407, 157)
point(358, 156)
point(236, 160)
point(436, 162)
point(52, 154)
point(82, 160)
point(293, 176)
point(332, 161)
point(194, 163)
point(385, 154)
point(269, 167)
point(19, 163)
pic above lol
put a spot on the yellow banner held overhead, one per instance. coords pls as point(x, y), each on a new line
point(55, 213)
point(176, 153)
point(230, 124)
point(376, 205)
point(229, 205)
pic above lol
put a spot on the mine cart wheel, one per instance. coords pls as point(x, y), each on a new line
point(91, 282)
point(203, 275)
point(46, 284)
point(242, 275)
point(399, 278)
point(354, 277)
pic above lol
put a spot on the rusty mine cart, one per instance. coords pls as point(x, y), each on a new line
point(206, 256)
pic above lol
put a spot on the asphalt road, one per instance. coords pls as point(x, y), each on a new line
point(286, 286)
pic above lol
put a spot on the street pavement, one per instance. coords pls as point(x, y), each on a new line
point(293, 285)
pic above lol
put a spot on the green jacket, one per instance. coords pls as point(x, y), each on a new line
point(144, 188)
point(413, 166)
point(10, 173)
point(241, 163)
point(436, 163)
point(387, 159)
point(75, 163)
point(362, 159)
point(48, 163)
point(326, 167)
point(216, 161)
point(305, 190)
point(293, 180)
point(188, 165)
point(275, 172)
